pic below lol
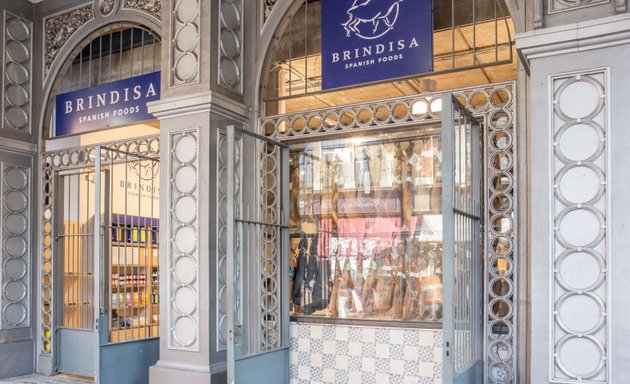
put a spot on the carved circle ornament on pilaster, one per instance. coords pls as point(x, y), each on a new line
point(59, 28)
point(17, 64)
point(183, 250)
point(185, 44)
point(15, 260)
point(581, 325)
point(153, 7)
point(230, 42)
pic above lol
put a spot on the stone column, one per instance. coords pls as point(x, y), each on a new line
point(202, 93)
point(579, 176)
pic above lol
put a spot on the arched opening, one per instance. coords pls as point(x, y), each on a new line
point(101, 207)
point(366, 183)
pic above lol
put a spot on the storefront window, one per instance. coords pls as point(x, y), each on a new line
point(366, 227)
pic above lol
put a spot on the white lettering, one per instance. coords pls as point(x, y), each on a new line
point(414, 43)
point(100, 100)
point(136, 92)
point(151, 91)
point(80, 105)
point(111, 97)
point(68, 106)
point(335, 58)
point(380, 48)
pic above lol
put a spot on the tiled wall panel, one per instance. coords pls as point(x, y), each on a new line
point(321, 353)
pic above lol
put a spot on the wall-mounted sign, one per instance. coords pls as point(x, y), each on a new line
point(364, 41)
point(109, 105)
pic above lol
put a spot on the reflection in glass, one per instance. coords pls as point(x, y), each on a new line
point(366, 227)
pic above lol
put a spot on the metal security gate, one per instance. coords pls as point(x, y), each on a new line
point(107, 239)
point(462, 264)
point(78, 270)
point(257, 260)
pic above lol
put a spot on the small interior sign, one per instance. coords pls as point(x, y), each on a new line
point(365, 41)
point(108, 105)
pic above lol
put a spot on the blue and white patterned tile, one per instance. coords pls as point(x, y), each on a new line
point(410, 368)
point(369, 350)
point(368, 377)
point(382, 335)
point(397, 352)
point(328, 360)
point(328, 332)
point(437, 370)
point(303, 359)
point(317, 346)
point(303, 331)
point(382, 366)
point(425, 354)
point(341, 376)
point(437, 338)
point(354, 363)
point(293, 371)
point(293, 343)
point(317, 374)
point(355, 334)
point(396, 379)
point(410, 336)
point(425, 380)
point(342, 348)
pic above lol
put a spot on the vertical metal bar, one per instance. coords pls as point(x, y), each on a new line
point(142, 52)
point(474, 26)
point(126, 249)
point(306, 47)
point(111, 44)
point(231, 378)
point(290, 61)
point(285, 246)
point(131, 30)
point(100, 56)
point(97, 249)
point(496, 33)
point(448, 235)
point(91, 45)
point(120, 56)
point(154, 51)
point(453, 33)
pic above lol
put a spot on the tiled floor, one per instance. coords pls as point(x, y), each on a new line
point(37, 379)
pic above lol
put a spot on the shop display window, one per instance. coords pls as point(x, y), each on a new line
point(366, 227)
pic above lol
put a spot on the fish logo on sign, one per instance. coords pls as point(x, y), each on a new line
point(371, 19)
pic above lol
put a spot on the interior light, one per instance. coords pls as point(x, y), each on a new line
point(436, 105)
point(419, 107)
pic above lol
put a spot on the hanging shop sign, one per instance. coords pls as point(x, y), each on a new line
point(109, 105)
point(364, 41)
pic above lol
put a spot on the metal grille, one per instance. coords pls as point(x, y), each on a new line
point(76, 244)
point(131, 253)
point(261, 233)
point(468, 34)
point(115, 53)
point(467, 337)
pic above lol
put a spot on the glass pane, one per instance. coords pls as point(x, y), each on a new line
point(366, 227)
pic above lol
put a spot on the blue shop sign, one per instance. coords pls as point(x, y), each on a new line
point(364, 41)
point(113, 104)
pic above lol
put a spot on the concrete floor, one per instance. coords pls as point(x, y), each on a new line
point(38, 379)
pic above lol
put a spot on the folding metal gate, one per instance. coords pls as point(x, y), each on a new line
point(462, 264)
point(257, 259)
